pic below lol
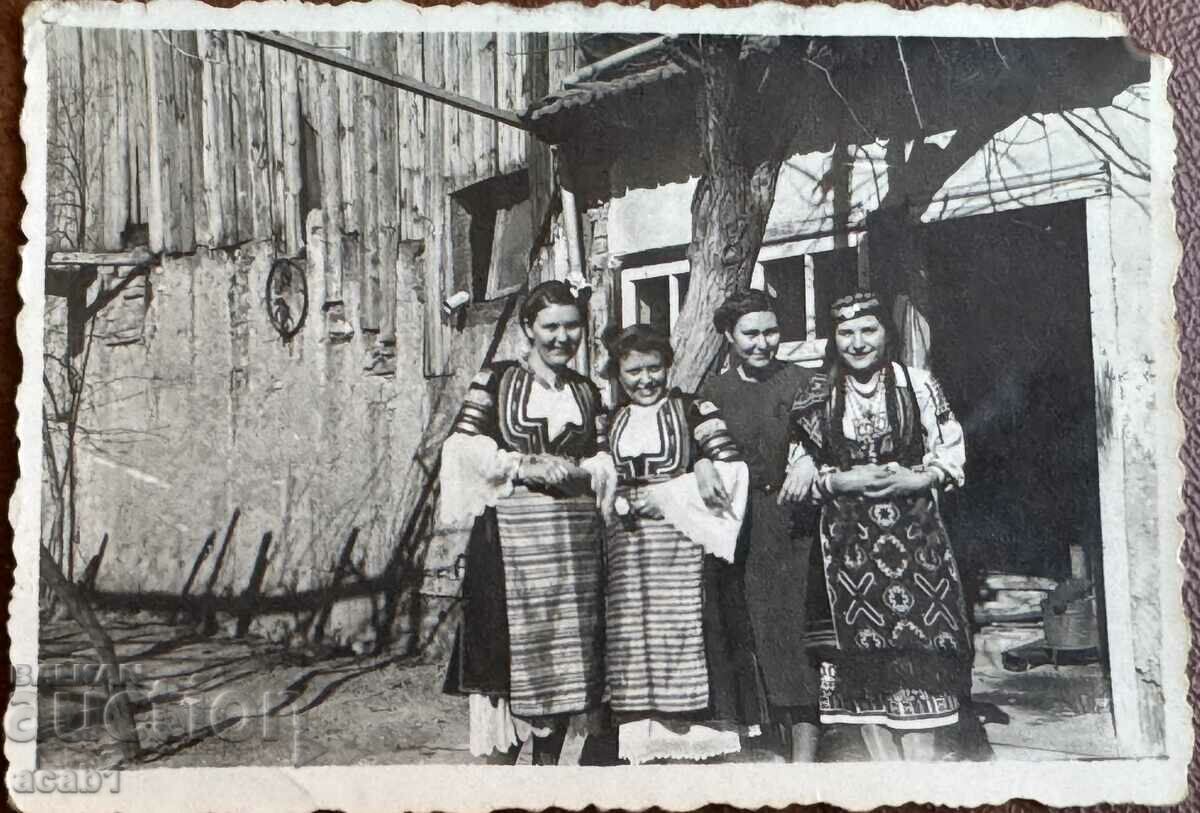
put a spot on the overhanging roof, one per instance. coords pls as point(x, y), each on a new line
point(860, 89)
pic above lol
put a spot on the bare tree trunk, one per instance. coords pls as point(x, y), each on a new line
point(122, 725)
point(745, 123)
point(729, 215)
point(77, 378)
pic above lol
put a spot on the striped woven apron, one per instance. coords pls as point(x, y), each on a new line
point(551, 548)
point(654, 610)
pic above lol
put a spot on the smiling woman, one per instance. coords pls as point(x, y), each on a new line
point(878, 443)
point(755, 394)
point(525, 463)
point(681, 497)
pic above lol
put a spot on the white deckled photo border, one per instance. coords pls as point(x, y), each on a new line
point(677, 787)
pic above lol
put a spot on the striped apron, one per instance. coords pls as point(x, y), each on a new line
point(551, 548)
point(654, 613)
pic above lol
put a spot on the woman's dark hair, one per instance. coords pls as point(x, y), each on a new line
point(546, 294)
point(634, 339)
point(738, 304)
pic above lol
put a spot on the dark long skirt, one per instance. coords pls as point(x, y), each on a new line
point(479, 662)
point(736, 690)
point(778, 543)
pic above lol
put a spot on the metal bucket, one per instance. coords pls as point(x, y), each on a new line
point(1073, 628)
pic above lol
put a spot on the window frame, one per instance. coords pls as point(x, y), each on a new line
point(791, 249)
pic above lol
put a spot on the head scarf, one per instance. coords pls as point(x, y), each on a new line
point(863, 303)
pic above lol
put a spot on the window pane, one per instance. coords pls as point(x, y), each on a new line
point(654, 302)
point(786, 278)
point(836, 275)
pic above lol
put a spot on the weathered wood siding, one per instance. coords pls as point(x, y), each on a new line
point(209, 139)
point(224, 155)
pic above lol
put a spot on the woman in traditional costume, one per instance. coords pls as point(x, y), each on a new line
point(523, 465)
point(755, 395)
point(681, 493)
point(879, 442)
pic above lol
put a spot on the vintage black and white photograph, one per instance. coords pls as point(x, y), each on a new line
point(745, 405)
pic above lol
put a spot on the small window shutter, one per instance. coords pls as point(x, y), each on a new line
point(510, 249)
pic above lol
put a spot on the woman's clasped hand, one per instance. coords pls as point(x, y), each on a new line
point(544, 470)
point(877, 481)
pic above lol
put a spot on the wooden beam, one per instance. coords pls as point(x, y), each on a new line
point(437, 94)
point(136, 256)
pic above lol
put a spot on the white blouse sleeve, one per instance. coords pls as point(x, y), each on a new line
point(475, 474)
point(945, 447)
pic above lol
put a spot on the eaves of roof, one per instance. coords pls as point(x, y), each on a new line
point(588, 93)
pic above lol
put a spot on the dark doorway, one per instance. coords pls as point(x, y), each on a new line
point(1011, 343)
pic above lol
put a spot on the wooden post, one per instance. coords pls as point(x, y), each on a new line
point(340, 570)
point(123, 727)
point(437, 338)
point(201, 556)
point(1129, 720)
point(87, 582)
point(254, 587)
point(226, 154)
point(210, 613)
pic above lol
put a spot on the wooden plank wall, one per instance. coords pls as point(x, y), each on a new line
point(207, 138)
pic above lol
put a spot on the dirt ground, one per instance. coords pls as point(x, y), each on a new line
point(223, 702)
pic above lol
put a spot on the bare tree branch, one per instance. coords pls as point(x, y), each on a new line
point(908, 81)
point(838, 93)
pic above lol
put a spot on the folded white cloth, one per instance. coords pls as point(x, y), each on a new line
point(679, 500)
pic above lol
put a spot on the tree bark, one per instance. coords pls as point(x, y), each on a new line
point(746, 120)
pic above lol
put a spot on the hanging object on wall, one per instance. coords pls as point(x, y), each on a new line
point(287, 297)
